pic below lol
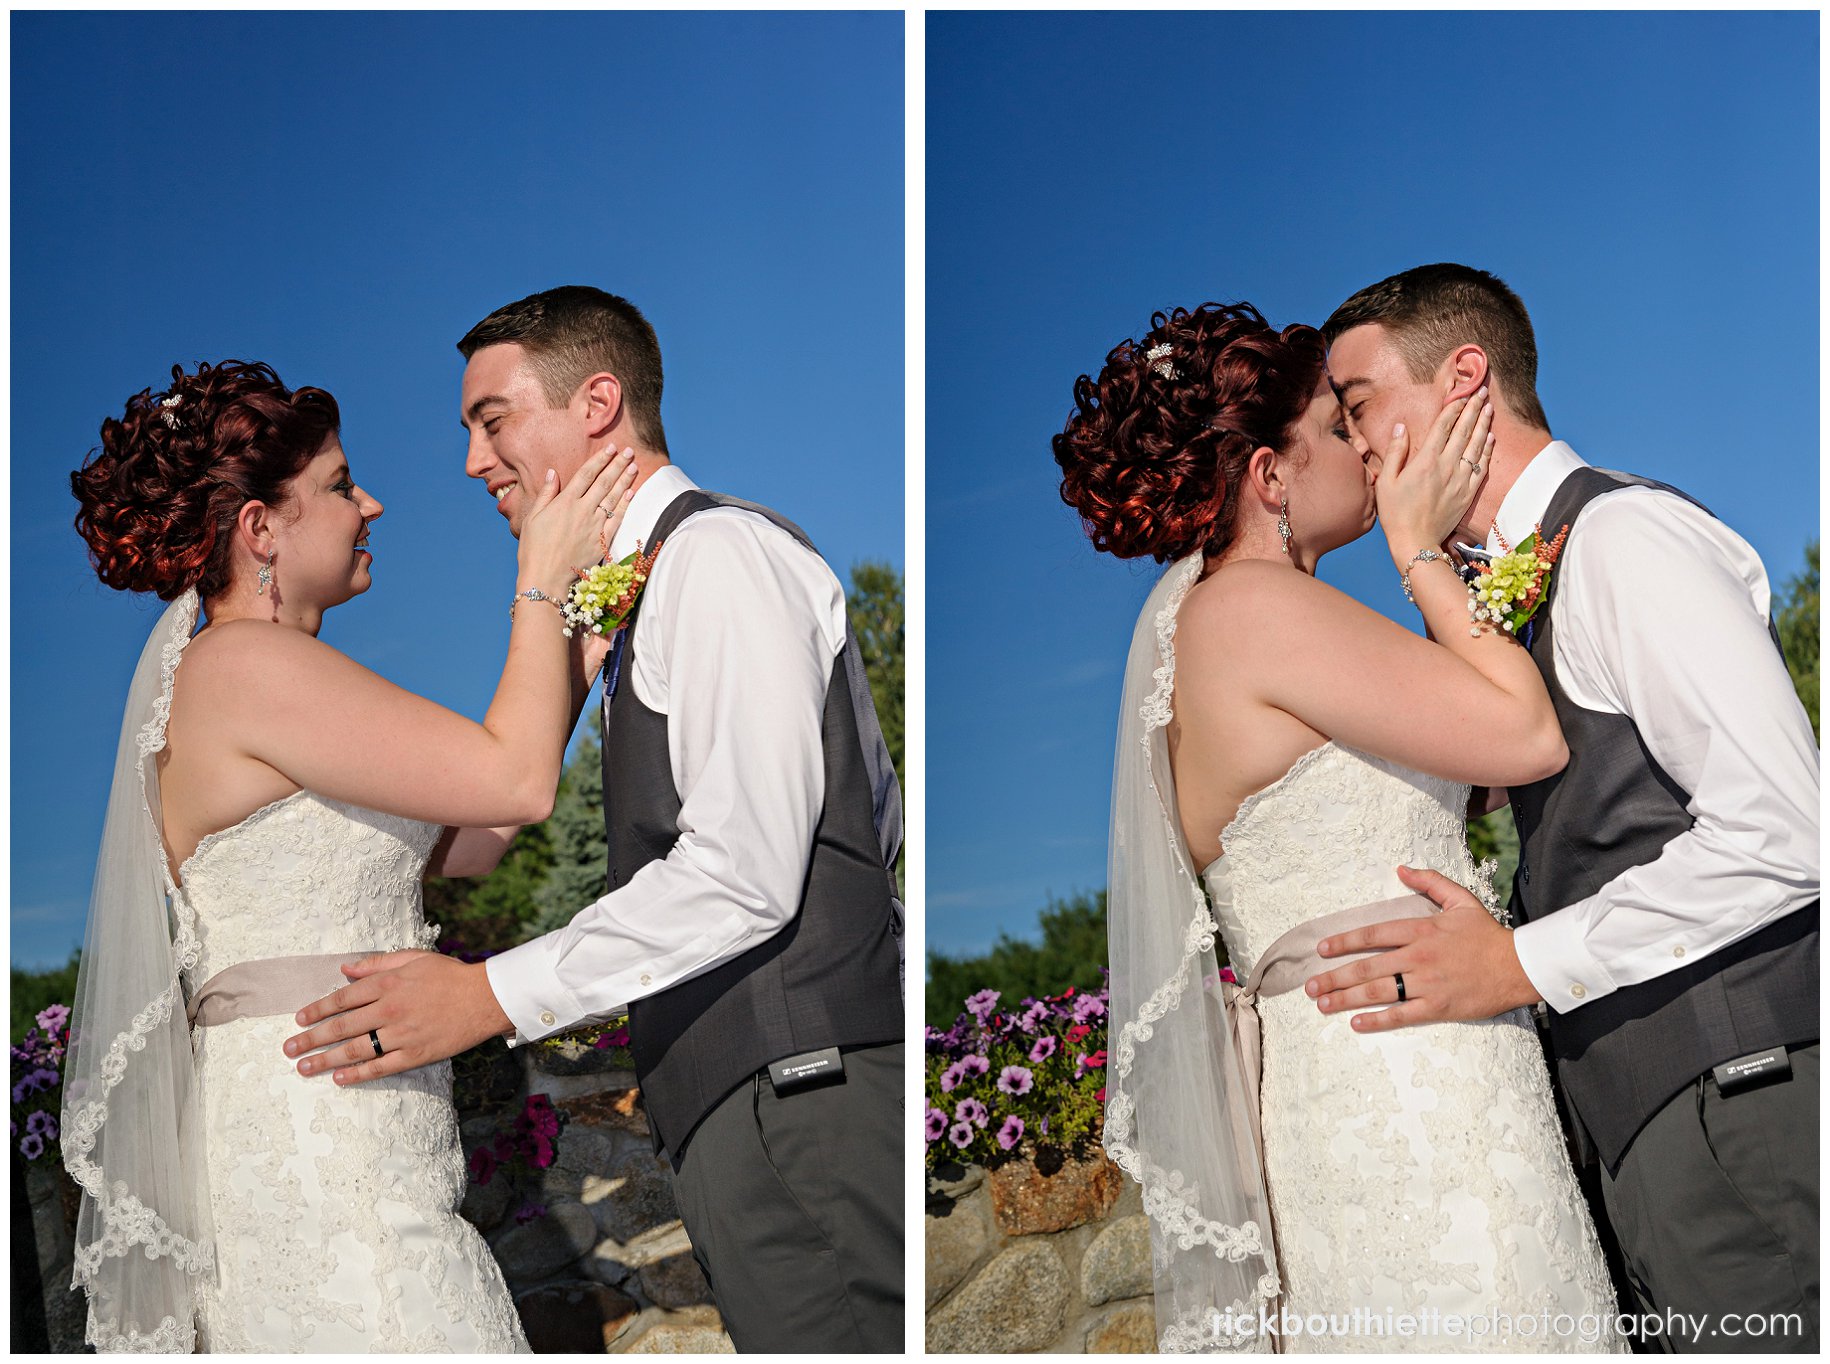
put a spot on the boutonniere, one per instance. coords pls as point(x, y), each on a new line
point(1511, 589)
point(602, 598)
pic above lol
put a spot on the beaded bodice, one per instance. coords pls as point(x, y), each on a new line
point(307, 875)
point(1327, 835)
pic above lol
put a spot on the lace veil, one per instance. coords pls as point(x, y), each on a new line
point(142, 1233)
point(1176, 1113)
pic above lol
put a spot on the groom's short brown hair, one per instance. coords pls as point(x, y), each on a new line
point(1432, 309)
point(575, 331)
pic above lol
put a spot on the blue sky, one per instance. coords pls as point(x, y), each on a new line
point(343, 195)
point(1647, 182)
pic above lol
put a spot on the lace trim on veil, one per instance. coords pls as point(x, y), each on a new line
point(126, 1221)
point(1168, 1199)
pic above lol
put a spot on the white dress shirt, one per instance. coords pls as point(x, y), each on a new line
point(739, 628)
point(1661, 615)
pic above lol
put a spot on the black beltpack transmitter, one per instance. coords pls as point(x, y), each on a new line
point(806, 1070)
point(1756, 1068)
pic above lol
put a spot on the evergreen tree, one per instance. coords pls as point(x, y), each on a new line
point(488, 913)
point(1072, 952)
point(875, 607)
point(575, 876)
point(1795, 617)
point(1496, 836)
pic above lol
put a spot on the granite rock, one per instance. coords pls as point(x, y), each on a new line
point(1017, 1302)
point(574, 1318)
point(1027, 1202)
point(1128, 1329)
point(1117, 1264)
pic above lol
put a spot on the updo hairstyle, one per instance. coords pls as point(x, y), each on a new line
point(1156, 449)
point(161, 496)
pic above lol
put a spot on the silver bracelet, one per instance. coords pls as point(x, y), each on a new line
point(1422, 556)
point(532, 594)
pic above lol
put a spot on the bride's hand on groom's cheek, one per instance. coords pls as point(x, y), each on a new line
point(1458, 966)
point(421, 1007)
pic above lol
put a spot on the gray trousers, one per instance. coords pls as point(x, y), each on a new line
point(1715, 1206)
point(794, 1204)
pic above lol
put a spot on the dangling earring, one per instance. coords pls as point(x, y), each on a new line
point(1283, 520)
point(266, 576)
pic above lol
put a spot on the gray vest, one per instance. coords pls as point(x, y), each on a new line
point(831, 978)
point(1622, 1057)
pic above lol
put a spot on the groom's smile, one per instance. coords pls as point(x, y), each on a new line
point(515, 432)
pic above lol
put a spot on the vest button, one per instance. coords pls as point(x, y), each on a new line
point(1524, 873)
point(1576, 991)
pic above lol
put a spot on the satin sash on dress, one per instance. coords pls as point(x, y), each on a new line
point(274, 985)
point(1285, 966)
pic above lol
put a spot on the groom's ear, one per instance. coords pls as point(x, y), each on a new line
point(1463, 372)
point(603, 403)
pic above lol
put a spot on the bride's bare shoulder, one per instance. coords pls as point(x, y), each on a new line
point(238, 656)
point(1247, 593)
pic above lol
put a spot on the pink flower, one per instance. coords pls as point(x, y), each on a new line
point(1016, 1080)
point(1011, 1132)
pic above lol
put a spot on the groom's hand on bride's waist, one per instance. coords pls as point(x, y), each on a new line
point(421, 1007)
point(1458, 966)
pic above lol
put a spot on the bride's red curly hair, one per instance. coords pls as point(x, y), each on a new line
point(160, 497)
point(1153, 460)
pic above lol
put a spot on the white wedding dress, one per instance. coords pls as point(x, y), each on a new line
point(1412, 1170)
point(1413, 1193)
point(334, 1209)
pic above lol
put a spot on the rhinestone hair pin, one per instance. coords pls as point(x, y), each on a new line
point(167, 412)
point(1158, 356)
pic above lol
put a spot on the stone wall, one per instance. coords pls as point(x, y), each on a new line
point(53, 1202)
point(1052, 1257)
point(609, 1267)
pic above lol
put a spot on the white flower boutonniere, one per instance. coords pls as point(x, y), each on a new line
point(602, 598)
point(1510, 592)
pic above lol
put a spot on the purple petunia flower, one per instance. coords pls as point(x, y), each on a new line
point(936, 1124)
point(1045, 1047)
point(950, 1078)
point(1088, 1007)
point(32, 1146)
point(43, 1123)
point(1016, 1080)
point(960, 1134)
point(1011, 1132)
point(53, 1019)
point(1035, 1015)
point(981, 1004)
point(972, 1111)
point(973, 1066)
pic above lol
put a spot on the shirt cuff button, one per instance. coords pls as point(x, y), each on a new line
point(647, 979)
point(1577, 992)
point(546, 1017)
point(1677, 951)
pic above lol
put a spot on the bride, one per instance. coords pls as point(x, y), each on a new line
point(1282, 752)
point(274, 808)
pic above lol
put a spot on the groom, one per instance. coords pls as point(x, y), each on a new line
point(751, 927)
point(1666, 901)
